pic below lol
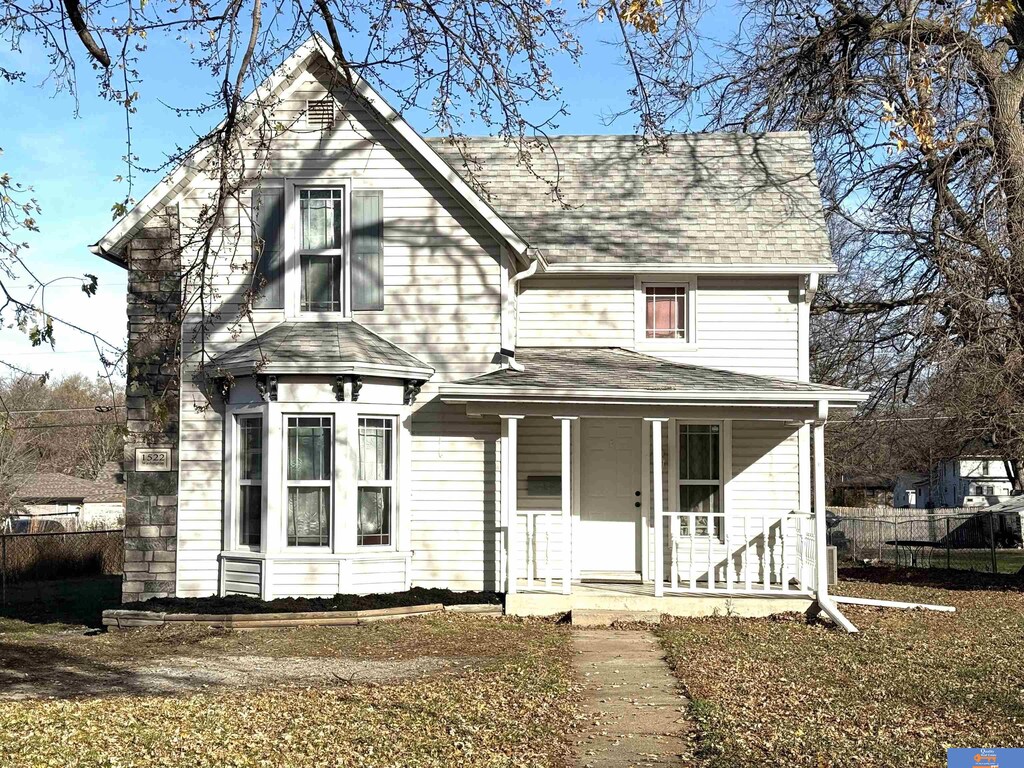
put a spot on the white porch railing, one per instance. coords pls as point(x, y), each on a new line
point(747, 553)
point(541, 549)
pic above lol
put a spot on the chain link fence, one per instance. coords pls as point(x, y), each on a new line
point(28, 560)
point(958, 539)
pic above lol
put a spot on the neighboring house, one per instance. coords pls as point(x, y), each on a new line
point(963, 481)
point(469, 389)
point(862, 491)
point(51, 501)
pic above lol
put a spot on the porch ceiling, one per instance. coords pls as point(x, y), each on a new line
point(612, 376)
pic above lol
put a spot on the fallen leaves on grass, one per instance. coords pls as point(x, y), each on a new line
point(784, 692)
point(516, 710)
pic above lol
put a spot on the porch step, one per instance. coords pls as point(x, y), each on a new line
point(594, 617)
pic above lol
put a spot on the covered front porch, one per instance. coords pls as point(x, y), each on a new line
point(676, 489)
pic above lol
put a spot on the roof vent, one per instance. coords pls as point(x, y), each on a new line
point(320, 113)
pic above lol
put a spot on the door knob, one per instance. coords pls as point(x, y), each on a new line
point(636, 504)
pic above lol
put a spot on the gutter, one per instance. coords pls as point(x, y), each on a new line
point(98, 250)
point(530, 271)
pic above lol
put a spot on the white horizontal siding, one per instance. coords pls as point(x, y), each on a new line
point(454, 497)
point(442, 280)
point(746, 324)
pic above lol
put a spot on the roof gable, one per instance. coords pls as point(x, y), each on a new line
point(284, 78)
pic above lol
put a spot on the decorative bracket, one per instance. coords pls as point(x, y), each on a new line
point(267, 387)
point(357, 384)
point(412, 389)
point(339, 388)
point(223, 385)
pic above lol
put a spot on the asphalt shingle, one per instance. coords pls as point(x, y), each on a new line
point(323, 342)
point(707, 199)
point(582, 368)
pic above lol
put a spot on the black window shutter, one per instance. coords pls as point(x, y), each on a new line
point(367, 249)
point(268, 246)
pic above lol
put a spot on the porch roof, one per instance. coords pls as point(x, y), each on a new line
point(322, 347)
point(600, 374)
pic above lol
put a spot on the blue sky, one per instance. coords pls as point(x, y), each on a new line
point(72, 161)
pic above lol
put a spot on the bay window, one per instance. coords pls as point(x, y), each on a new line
point(309, 481)
point(700, 478)
point(249, 512)
point(321, 250)
point(375, 480)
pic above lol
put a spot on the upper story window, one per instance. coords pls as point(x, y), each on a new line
point(318, 248)
point(321, 249)
point(665, 312)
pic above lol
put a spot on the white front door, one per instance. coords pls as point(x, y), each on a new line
point(610, 515)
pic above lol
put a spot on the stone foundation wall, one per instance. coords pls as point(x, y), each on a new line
point(152, 398)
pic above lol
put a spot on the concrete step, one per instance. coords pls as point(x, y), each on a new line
point(595, 617)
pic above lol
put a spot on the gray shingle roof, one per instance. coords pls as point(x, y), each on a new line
point(320, 343)
point(53, 486)
point(709, 199)
point(582, 368)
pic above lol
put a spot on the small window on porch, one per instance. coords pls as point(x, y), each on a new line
point(700, 481)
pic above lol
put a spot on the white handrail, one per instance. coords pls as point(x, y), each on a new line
point(754, 552)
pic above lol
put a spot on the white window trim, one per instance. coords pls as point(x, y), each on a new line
point(344, 500)
point(331, 484)
point(293, 240)
point(724, 467)
point(642, 282)
point(232, 474)
point(396, 427)
point(239, 481)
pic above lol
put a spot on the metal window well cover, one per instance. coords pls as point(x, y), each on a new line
point(321, 347)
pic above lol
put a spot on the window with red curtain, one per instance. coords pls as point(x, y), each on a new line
point(666, 311)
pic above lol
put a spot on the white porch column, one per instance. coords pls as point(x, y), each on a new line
point(820, 537)
point(567, 540)
point(657, 507)
point(509, 502)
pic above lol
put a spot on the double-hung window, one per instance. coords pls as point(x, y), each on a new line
point(700, 479)
point(376, 480)
point(249, 510)
point(321, 249)
point(309, 480)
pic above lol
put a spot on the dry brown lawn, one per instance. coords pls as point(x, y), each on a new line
point(909, 685)
point(440, 691)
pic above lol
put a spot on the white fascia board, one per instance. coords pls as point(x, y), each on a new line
point(618, 268)
point(113, 241)
point(462, 393)
point(111, 244)
point(433, 163)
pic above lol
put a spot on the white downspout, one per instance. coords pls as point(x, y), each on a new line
point(825, 603)
point(510, 351)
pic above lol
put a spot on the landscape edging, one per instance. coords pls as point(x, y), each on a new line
point(116, 618)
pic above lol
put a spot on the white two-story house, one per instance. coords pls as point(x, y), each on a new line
point(454, 379)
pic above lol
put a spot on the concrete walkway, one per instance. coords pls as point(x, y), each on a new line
point(635, 714)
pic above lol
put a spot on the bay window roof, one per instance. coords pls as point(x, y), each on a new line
point(329, 347)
